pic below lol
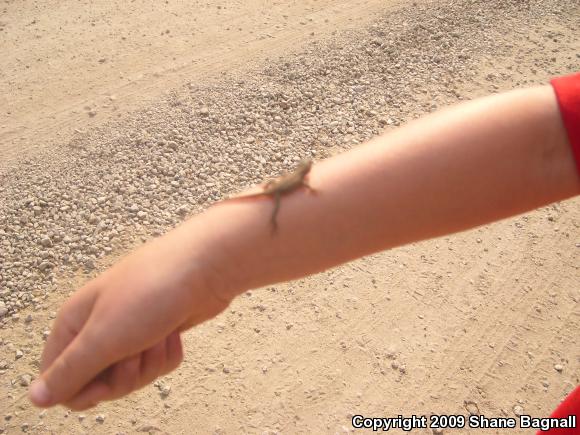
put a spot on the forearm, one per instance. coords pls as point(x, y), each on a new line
point(462, 167)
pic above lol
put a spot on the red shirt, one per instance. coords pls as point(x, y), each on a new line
point(567, 91)
point(568, 94)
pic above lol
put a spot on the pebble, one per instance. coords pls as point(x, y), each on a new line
point(471, 407)
point(182, 210)
point(518, 410)
point(46, 242)
point(559, 368)
point(25, 380)
point(100, 418)
point(149, 428)
point(164, 391)
point(19, 354)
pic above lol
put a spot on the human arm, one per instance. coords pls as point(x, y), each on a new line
point(462, 167)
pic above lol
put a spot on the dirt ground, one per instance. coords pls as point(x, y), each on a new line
point(488, 319)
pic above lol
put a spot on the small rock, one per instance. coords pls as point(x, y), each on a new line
point(164, 391)
point(204, 111)
point(183, 210)
point(559, 368)
point(89, 264)
point(471, 407)
point(46, 242)
point(149, 428)
point(3, 309)
point(518, 410)
point(19, 354)
point(100, 418)
point(25, 380)
point(45, 266)
point(3, 365)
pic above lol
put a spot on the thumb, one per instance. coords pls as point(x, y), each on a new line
point(76, 366)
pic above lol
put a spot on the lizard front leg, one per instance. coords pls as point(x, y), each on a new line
point(308, 186)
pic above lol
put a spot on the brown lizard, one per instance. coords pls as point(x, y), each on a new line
point(282, 185)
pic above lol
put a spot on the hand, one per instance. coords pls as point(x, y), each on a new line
point(121, 330)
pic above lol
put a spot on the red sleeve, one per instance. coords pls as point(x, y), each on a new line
point(567, 91)
point(570, 406)
point(568, 94)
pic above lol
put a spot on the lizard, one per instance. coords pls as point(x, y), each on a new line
point(280, 186)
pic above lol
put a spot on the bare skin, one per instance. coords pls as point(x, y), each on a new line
point(280, 186)
point(459, 168)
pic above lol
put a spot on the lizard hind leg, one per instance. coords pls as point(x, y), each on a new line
point(273, 221)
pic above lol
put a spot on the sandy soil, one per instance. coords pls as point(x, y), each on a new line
point(69, 67)
point(487, 318)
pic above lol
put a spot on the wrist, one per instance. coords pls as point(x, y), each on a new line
point(213, 268)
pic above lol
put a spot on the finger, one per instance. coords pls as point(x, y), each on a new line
point(115, 382)
point(70, 320)
point(174, 352)
point(124, 377)
point(153, 362)
point(162, 359)
point(89, 396)
point(76, 365)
